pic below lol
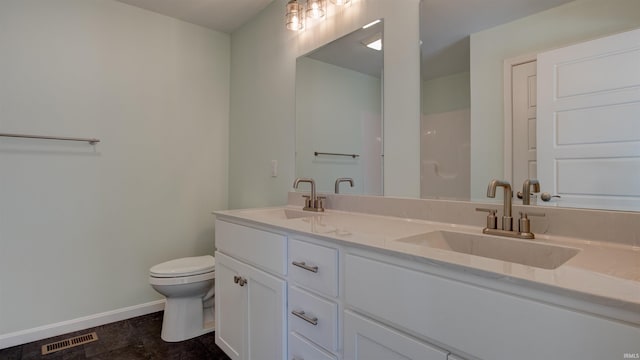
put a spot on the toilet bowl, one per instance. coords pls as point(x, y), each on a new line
point(187, 284)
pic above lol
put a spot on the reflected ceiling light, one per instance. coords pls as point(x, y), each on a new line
point(341, 2)
point(374, 42)
point(316, 9)
point(294, 16)
point(371, 24)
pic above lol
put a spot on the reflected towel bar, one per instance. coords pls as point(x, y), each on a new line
point(336, 154)
point(90, 141)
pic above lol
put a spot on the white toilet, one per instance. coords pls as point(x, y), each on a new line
point(187, 283)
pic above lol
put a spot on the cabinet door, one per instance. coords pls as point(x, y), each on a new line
point(369, 340)
point(250, 311)
point(230, 307)
point(266, 302)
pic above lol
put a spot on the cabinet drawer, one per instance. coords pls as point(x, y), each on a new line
point(302, 349)
point(306, 308)
point(258, 247)
point(314, 266)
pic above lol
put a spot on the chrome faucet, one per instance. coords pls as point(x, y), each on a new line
point(526, 190)
point(507, 219)
point(312, 201)
point(524, 227)
point(339, 180)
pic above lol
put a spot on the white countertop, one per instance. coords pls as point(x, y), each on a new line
point(608, 271)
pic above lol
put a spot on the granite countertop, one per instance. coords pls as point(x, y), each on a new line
point(607, 271)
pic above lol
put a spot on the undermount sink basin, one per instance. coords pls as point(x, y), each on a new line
point(280, 214)
point(525, 252)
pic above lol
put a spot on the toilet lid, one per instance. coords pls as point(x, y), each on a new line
point(184, 267)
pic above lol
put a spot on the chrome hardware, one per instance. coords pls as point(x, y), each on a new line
point(507, 220)
point(545, 196)
point(303, 316)
point(526, 190)
point(525, 225)
point(239, 280)
point(312, 202)
point(492, 219)
point(524, 228)
point(340, 180)
point(303, 265)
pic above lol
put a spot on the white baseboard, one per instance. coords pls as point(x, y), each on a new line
point(47, 331)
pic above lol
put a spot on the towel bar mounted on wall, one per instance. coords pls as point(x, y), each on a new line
point(336, 154)
point(90, 141)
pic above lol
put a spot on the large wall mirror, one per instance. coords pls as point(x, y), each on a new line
point(339, 112)
point(466, 45)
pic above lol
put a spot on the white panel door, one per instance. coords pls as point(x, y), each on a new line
point(266, 312)
point(523, 77)
point(588, 128)
point(250, 311)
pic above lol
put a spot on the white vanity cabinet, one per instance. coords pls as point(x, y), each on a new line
point(282, 295)
point(313, 308)
point(250, 303)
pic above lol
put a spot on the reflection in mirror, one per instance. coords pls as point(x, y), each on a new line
point(465, 46)
point(339, 113)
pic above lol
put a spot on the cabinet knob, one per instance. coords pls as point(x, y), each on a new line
point(242, 281)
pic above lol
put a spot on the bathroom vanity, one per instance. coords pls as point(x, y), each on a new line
point(342, 285)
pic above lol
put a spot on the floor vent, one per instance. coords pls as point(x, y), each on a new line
point(69, 343)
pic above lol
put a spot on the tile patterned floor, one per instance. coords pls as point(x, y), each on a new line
point(132, 339)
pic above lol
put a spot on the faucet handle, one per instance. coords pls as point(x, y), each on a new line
point(307, 201)
point(524, 224)
point(492, 220)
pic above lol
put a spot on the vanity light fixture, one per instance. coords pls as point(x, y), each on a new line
point(316, 9)
point(294, 16)
point(297, 14)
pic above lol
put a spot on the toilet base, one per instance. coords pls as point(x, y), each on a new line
point(185, 318)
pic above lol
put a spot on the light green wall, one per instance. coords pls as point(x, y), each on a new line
point(80, 226)
point(574, 22)
point(262, 125)
point(332, 104)
point(447, 93)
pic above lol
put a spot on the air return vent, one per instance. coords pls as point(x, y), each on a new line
point(69, 343)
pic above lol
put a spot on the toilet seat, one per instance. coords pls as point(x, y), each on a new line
point(181, 280)
point(184, 267)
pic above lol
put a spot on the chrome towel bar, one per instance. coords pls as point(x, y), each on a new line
point(90, 141)
point(336, 154)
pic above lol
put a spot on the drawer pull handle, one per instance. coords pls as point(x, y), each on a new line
point(303, 265)
point(303, 316)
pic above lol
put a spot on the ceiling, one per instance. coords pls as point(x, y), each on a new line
point(221, 15)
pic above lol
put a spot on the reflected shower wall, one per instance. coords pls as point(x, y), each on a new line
point(445, 138)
